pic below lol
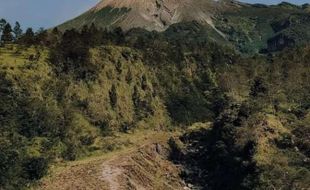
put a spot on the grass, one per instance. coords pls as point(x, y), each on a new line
point(128, 142)
point(266, 150)
point(131, 142)
point(15, 55)
point(104, 18)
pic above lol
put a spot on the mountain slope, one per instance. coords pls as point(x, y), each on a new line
point(149, 14)
point(72, 104)
point(250, 28)
point(143, 164)
point(259, 27)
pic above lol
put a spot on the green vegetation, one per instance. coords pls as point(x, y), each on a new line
point(104, 18)
point(251, 29)
point(254, 29)
point(63, 96)
point(253, 143)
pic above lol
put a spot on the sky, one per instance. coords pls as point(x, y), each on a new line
point(43, 13)
point(49, 13)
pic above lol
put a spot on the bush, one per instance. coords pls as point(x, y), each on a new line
point(71, 152)
point(35, 168)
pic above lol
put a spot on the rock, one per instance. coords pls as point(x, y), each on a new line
point(158, 148)
point(296, 149)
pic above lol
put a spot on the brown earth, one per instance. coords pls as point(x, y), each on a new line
point(144, 166)
point(152, 14)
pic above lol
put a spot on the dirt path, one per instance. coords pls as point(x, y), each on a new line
point(143, 165)
point(110, 174)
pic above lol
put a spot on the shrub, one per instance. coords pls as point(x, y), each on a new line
point(35, 168)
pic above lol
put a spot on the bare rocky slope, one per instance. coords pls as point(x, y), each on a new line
point(150, 14)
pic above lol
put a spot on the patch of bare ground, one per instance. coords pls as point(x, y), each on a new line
point(144, 165)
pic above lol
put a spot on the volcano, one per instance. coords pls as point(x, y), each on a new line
point(151, 15)
point(251, 28)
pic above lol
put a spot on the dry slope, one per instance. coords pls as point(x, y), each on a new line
point(150, 14)
point(136, 167)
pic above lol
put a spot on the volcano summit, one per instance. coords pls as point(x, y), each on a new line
point(150, 14)
point(251, 28)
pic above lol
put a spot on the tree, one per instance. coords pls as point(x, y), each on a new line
point(7, 35)
point(29, 37)
point(55, 31)
point(118, 35)
point(41, 36)
point(93, 29)
point(71, 56)
point(35, 168)
point(53, 37)
point(17, 30)
point(73, 48)
point(95, 35)
point(259, 87)
point(113, 96)
point(90, 35)
point(144, 84)
point(136, 97)
point(85, 35)
point(2, 24)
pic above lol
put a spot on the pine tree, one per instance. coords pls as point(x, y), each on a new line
point(53, 37)
point(17, 30)
point(41, 36)
point(7, 35)
point(93, 29)
point(85, 35)
point(2, 24)
point(29, 37)
point(55, 31)
point(95, 35)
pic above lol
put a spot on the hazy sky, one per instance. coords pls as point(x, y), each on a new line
point(47, 13)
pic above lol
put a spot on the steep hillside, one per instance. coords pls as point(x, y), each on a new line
point(58, 118)
point(149, 14)
point(250, 28)
point(71, 99)
point(265, 28)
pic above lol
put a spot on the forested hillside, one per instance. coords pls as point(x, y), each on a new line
point(63, 94)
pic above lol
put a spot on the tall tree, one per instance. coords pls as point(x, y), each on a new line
point(7, 35)
point(41, 36)
point(95, 35)
point(29, 37)
point(85, 35)
point(71, 55)
point(2, 24)
point(17, 30)
point(54, 36)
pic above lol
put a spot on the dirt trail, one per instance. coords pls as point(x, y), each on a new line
point(144, 165)
point(110, 175)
